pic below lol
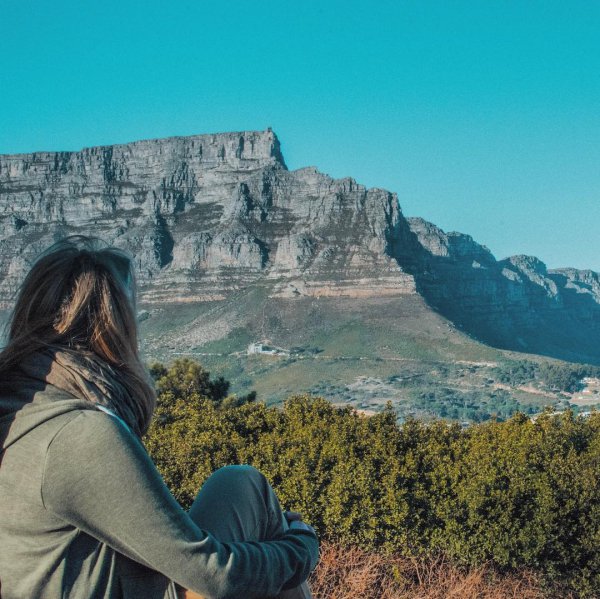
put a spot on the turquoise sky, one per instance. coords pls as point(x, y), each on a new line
point(483, 116)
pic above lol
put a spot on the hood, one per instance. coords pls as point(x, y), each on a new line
point(28, 398)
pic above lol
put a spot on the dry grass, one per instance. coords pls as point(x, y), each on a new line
point(356, 574)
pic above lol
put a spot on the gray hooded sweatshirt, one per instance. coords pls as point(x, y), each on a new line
point(84, 513)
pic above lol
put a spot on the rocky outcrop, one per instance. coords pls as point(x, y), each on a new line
point(207, 215)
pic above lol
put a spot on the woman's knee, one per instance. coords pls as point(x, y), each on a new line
point(239, 469)
point(240, 480)
point(240, 472)
point(238, 503)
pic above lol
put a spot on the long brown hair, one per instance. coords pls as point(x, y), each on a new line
point(80, 295)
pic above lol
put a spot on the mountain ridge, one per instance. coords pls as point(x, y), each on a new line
point(209, 215)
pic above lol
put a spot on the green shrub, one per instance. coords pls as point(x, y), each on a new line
point(516, 493)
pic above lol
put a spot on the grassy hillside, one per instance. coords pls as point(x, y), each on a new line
point(360, 352)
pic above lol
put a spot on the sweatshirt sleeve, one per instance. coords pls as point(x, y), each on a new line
point(99, 477)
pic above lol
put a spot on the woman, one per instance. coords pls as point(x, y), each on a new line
point(85, 514)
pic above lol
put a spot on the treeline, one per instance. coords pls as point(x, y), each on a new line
point(518, 494)
point(549, 375)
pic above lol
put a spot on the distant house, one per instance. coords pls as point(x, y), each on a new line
point(255, 348)
point(260, 347)
point(591, 384)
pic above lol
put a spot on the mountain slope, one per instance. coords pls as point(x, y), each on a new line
point(232, 248)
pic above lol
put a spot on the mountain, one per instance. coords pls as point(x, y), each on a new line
point(206, 215)
point(515, 303)
point(231, 247)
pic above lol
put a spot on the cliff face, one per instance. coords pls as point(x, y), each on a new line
point(208, 215)
point(131, 195)
point(204, 215)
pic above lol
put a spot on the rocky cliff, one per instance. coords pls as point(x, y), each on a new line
point(208, 215)
point(205, 215)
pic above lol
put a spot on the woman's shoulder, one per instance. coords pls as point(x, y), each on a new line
point(94, 424)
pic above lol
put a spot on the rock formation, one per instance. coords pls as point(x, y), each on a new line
point(208, 215)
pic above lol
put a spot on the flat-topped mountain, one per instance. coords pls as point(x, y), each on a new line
point(231, 241)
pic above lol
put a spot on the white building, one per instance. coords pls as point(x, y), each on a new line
point(260, 347)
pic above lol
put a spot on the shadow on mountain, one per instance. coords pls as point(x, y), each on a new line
point(514, 304)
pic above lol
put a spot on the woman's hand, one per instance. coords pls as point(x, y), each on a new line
point(292, 516)
point(294, 520)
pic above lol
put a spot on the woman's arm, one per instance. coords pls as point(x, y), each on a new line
point(99, 478)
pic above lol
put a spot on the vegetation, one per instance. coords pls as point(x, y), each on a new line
point(550, 376)
point(470, 406)
point(515, 494)
point(348, 573)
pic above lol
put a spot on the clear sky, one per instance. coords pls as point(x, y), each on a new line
point(484, 116)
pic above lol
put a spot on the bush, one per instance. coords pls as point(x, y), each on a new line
point(516, 494)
